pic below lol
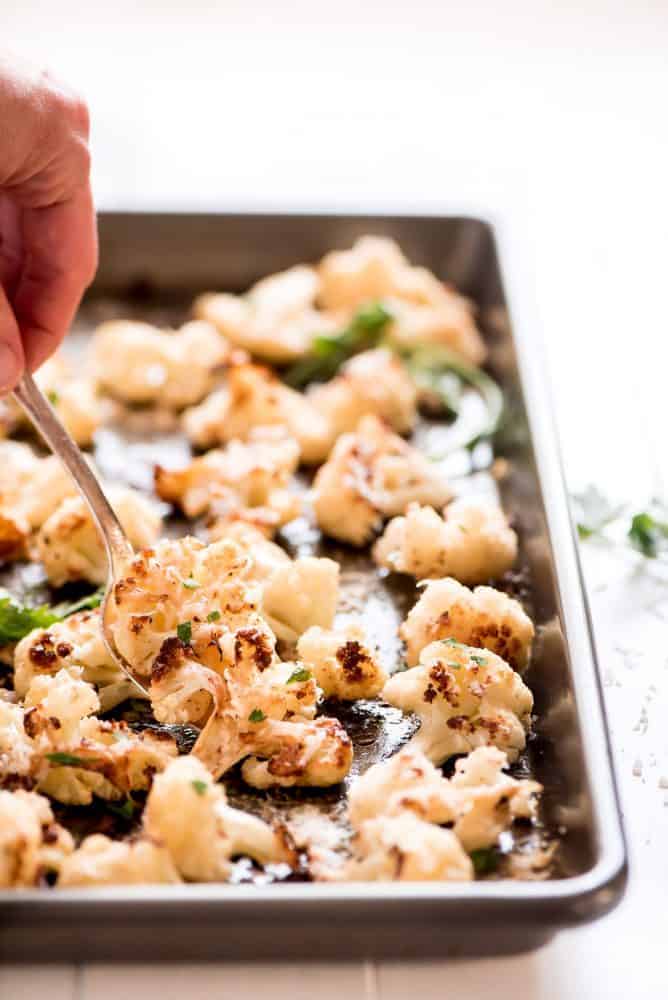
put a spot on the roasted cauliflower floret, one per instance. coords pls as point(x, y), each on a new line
point(17, 752)
point(478, 803)
point(275, 321)
point(101, 861)
point(372, 474)
point(301, 594)
point(372, 383)
point(73, 397)
point(69, 546)
point(245, 481)
point(482, 617)
point(405, 848)
point(471, 542)
point(32, 488)
point(32, 844)
point(188, 812)
point(286, 754)
point(75, 755)
point(138, 363)
point(465, 697)
point(374, 268)
point(254, 397)
point(76, 641)
point(446, 321)
point(341, 663)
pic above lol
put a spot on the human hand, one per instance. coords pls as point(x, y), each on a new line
point(48, 239)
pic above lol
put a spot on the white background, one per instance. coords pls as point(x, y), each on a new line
point(550, 117)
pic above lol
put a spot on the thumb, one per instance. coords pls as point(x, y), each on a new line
point(11, 349)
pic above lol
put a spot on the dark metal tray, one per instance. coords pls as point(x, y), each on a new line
point(155, 263)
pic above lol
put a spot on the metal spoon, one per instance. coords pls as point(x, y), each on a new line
point(118, 549)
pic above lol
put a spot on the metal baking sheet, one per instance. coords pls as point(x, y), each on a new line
point(151, 266)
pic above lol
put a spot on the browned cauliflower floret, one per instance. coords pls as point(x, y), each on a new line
point(17, 753)
point(32, 488)
point(76, 641)
point(276, 320)
point(188, 812)
point(69, 546)
point(374, 382)
point(138, 363)
point(405, 848)
point(478, 803)
point(245, 481)
point(76, 755)
point(465, 697)
point(372, 474)
point(314, 754)
point(32, 844)
point(471, 542)
point(425, 310)
point(254, 397)
point(101, 861)
point(341, 664)
point(482, 617)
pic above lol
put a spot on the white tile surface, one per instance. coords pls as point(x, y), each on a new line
point(550, 117)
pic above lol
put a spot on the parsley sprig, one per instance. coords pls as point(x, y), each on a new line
point(17, 620)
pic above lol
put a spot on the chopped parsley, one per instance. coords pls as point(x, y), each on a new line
point(455, 666)
point(125, 811)
point(17, 620)
point(69, 759)
point(257, 715)
point(213, 616)
point(480, 660)
point(184, 630)
point(451, 642)
point(200, 786)
point(190, 584)
point(298, 675)
point(485, 860)
point(648, 534)
point(53, 397)
point(593, 512)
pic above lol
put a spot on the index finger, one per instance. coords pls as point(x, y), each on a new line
point(60, 260)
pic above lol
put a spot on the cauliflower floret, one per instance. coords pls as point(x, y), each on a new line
point(374, 382)
point(69, 546)
point(32, 488)
point(76, 641)
point(465, 697)
point(373, 269)
point(188, 812)
point(301, 594)
point(253, 397)
point(73, 397)
point(276, 320)
point(472, 542)
point(478, 803)
point(17, 753)
point(482, 617)
point(78, 756)
point(101, 861)
point(205, 589)
point(266, 713)
point(341, 664)
point(447, 321)
point(32, 844)
point(372, 474)
point(405, 848)
point(139, 363)
point(245, 481)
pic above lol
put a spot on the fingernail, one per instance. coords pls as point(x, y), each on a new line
point(10, 368)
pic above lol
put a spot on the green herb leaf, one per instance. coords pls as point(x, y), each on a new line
point(257, 715)
point(53, 397)
point(451, 642)
point(184, 630)
point(300, 674)
point(330, 351)
point(648, 534)
point(593, 512)
point(69, 759)
point(190, 584)
point(213, 616)
point(480, 660)
point(485, 860)
point(125, 811)
point(455, 666)
point(17, 620)
point(200, 786)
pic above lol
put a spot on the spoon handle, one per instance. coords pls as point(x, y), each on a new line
point(40, 412)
